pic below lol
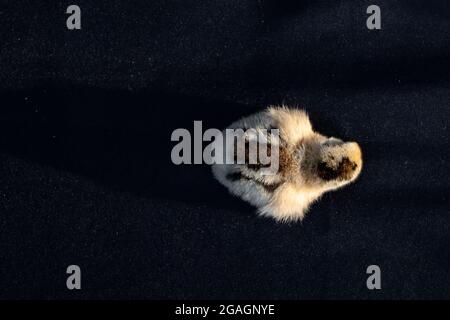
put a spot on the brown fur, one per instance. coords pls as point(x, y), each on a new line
point(344, 170)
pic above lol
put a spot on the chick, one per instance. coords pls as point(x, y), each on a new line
point(308, 164)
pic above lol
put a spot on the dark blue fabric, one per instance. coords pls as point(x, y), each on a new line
point(85, 171)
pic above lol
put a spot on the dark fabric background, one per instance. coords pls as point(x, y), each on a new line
point(85, 170)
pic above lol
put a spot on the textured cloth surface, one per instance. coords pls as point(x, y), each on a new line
point(86, 176)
